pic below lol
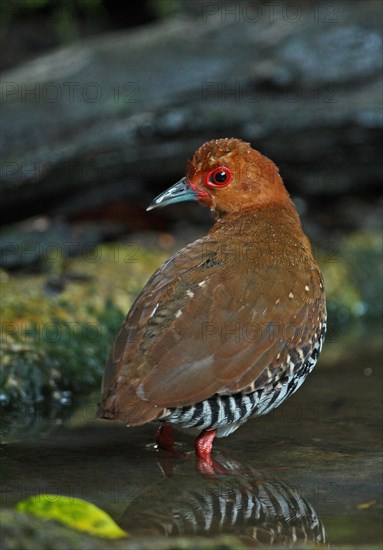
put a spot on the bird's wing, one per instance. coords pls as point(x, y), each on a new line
point(206, 324)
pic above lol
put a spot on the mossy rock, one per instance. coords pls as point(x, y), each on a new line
point(58, 328)
point(22, 531)
point(353, 271)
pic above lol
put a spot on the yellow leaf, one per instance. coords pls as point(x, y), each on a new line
point(366, 505)
point(73, 512)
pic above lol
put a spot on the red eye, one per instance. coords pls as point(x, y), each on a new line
point(219, 177)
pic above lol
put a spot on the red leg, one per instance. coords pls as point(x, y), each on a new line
point(204, 445)
point(164, 437)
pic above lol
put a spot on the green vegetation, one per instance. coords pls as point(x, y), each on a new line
point(57, 329)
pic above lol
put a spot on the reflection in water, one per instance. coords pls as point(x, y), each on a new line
point(255, 506)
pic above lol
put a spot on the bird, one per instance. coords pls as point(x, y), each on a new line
point(232, 324)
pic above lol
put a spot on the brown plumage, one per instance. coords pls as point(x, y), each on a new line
point(233, 313)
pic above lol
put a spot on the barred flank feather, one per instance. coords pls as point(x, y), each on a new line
point(227, 413)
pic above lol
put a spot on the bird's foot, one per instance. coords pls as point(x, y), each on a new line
point(164, 437)
point(165, 442)
point(212, 468)
point(204, 445)
point(205, 464)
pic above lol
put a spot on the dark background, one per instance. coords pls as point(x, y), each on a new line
point(104, 102)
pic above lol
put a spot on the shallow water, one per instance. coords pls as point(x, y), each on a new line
point(309, 472)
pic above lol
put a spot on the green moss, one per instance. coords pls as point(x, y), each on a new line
point(342, 531)
point(352, 271)
point(22, 531)
point(56, 341)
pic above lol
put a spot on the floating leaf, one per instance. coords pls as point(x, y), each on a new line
point(366, 505)
point(73, 512)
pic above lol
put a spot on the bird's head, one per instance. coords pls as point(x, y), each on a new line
point(228, 176)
